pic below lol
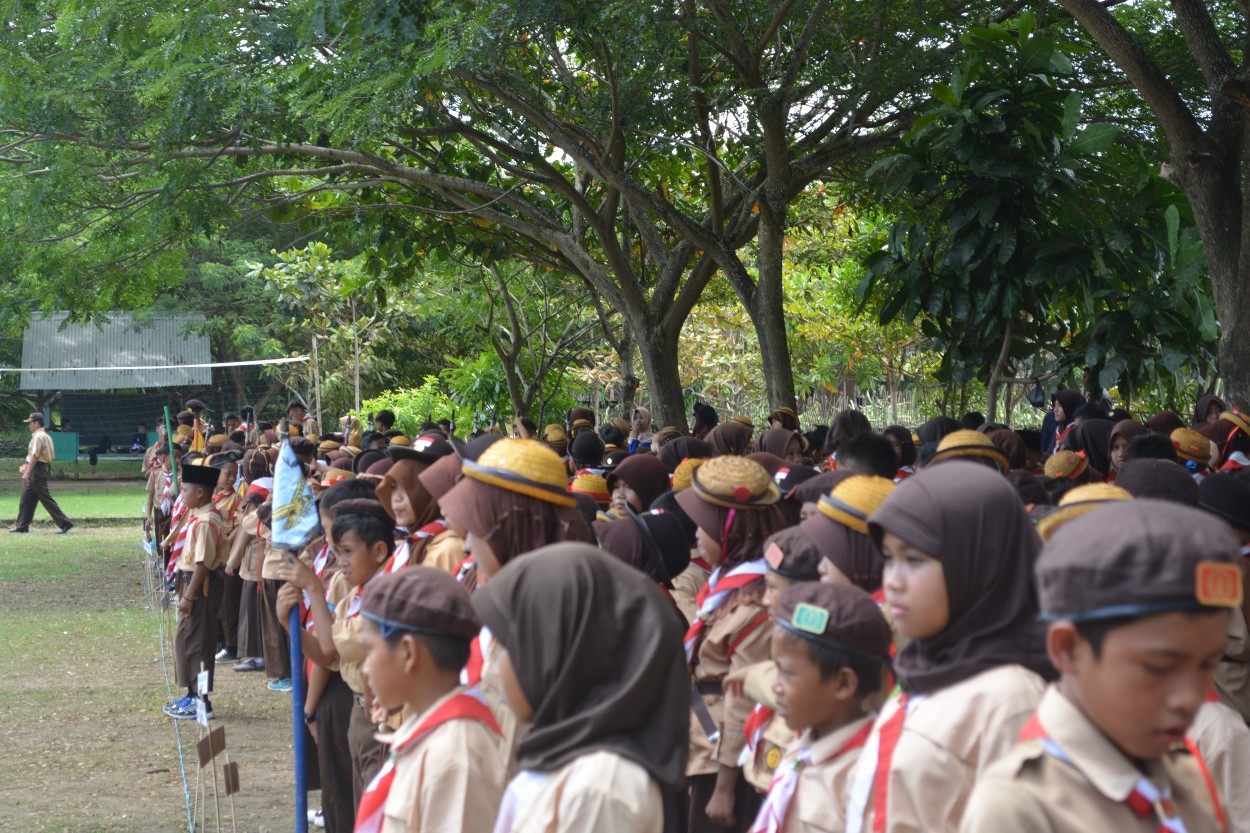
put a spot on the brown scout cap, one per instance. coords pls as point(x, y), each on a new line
point(35, 416)
point(792, 554)
point(422, 600)
point(838, 616)
point(1138, 558)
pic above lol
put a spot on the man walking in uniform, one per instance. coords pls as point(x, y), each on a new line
point(35, 479)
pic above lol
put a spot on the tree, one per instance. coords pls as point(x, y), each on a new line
point(1204, 124)
point(1024, 233)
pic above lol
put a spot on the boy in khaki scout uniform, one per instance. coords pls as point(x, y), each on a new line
point(831, 644)
point(1138, 595)
point(200, 572)
point(444, 774)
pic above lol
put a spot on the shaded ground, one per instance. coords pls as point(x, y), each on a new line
point(83, 741)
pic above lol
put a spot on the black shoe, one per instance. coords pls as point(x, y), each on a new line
point(65, 528)
point(15, 529)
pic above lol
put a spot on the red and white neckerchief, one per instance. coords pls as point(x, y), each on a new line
point(772, 815)
point(713, 593)
point(1236, 461)
point(180, 543)
point(467, 705)
point(353, 609)
point(753, 732)
point(403, 553)
point(166, 501)
point(319, 568)
point(871, 781)
point(1060, 434)
point(399, 558)
point(904, 472)
point(702, 564)
point(1146, 799)
point(467, 572)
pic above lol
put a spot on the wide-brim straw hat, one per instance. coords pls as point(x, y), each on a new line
point(1191, 446)
point(526, 467)
point(1077, 502)
point(1066, 464)
point(684, 473)
point(589, 483)
point(854, 499)
point(974, 444)
point(728, 482)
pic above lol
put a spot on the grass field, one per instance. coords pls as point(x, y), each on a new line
point(79, 500)
point(85, 746)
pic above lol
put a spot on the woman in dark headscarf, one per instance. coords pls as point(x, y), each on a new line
point(1208, 409)
point(847, 425)
point(1165, 422)
point(1012, 446)
point(1093, 437)
point(1122, 435)
point(636, 482)
point(653, 542)
point(959, 554)
point(1063, 405)
point(786, 444)
point(683, 448)
point(429, 541)
point(729, 438)
point(594, 663)
point(935, 429)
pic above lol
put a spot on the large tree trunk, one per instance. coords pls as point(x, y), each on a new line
point(629, 378)
point(659, 361)
point(769, 316)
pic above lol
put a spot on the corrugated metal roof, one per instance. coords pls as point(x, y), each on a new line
point(122, 342)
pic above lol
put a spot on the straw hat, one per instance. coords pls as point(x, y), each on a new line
point(971, 444)
point(1237, 418)
point(684, 473)
point(1066, 464)
point(526, 467)
point(735, 483)
point(622, 424)
point(328, 445)
point(1077, 502)
point(854, 499)
point(555, 438)
point(589, 483)
point(1192, 446)
point(400, 439)
point(335, 475)
point(741, 420)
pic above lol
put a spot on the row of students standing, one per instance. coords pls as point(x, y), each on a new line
point(598, 720)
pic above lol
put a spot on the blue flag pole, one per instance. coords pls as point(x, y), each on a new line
point(297, 722)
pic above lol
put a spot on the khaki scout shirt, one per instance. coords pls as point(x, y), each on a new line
point(1232, 676)
point(207, 540)
point(245, 542)
point(817, 803)
point(40, 449)
point(1224, 742)
point(1030, 789)
point(450, 782)
point(348, 624)
point(445, 551)
point(686, 585)
point(776, 737)
point(600, 792)
point(735, 638)
point(949, 738)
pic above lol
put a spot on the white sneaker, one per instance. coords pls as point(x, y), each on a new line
point(316, 818)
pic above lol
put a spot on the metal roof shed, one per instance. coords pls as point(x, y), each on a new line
point(54, 353)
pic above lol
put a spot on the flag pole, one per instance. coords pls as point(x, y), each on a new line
point(297, 723)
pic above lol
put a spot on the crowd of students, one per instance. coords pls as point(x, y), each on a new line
point(613, 628)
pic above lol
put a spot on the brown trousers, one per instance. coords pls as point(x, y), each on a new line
point(195, 642)
point(229, 615)
point(35, 491)
point(366, 752)
point(334, 756)
point(275, 644)
point(249, 622)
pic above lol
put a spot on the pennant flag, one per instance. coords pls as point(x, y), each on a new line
point(295, 519)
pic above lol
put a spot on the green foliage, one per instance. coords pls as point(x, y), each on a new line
point(413, 406)
point(1020, 224)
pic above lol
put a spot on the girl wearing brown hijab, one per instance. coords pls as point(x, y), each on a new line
point(1124, 432)
point(653, 543)
point(786, 444)
point(636, 482)
point(729, 438)
point(1208, 409)
point(683, 448)
point(592, 661)
point(732, 501)
point(429, 540)
point(959, 554)
point(511, 500)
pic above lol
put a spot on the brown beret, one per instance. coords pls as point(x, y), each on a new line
point(422, 600)
point(1138, 558)
point(838, 616)
point(361, 506)
point(792, 554)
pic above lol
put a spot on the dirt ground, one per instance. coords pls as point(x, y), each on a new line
point(84, 746)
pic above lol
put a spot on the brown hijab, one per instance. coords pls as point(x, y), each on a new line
point(1165, 422)
point(851, 551)
point(598, 653)
point(730, 438)
point(969, 518)
point(653, 543)
point(511, 523)
point(777, 441)
point(683, 448)
point(1012, 446)
point(406, 476)
point(1093, 436)
point(643, 473)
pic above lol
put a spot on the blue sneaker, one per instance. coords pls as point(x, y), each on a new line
point(176, 705)
point(283, 684)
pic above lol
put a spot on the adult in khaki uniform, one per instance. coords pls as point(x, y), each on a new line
point(958, 581)
point(606, 750)
point(733, 502)
point(512, 499)
point(39, 455)
point(1138, 594)
point(444, 774)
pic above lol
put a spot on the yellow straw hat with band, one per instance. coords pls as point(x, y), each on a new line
point(217, 439)
point(974, 444)
point(1077, 502)
point(555, 437)
point(333, 476)
point(400, 439)
point(683, 475)
point(1238, 419)
point(1191, 446)
point(1066, 464)
point(746, 421)
point(526, 467)
point(854, 499)
point(588, 483)
point(350, 450)
point(329, 445)
point(735, 483)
